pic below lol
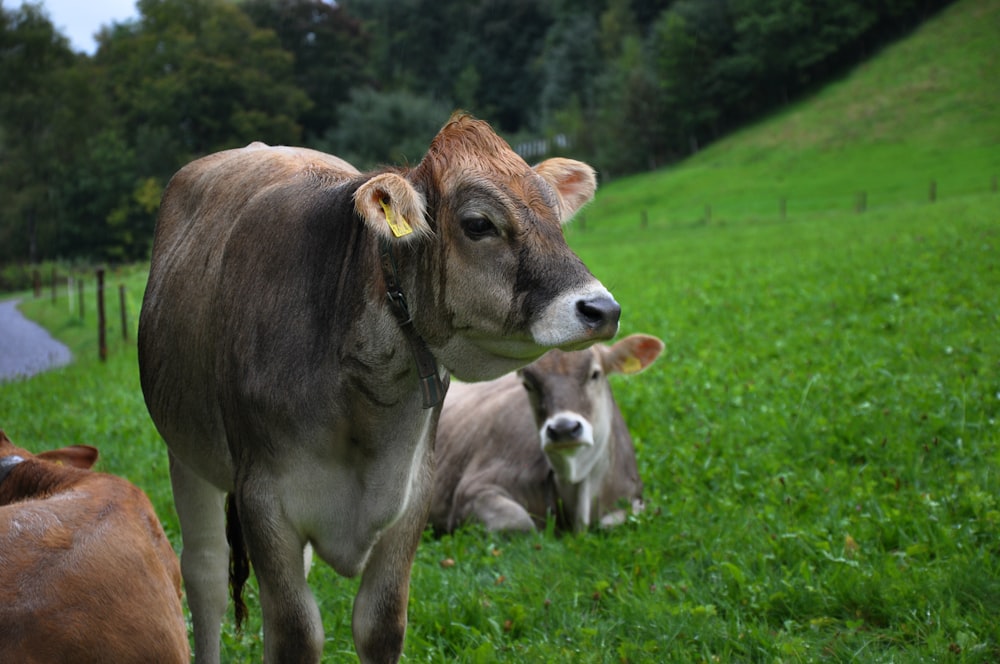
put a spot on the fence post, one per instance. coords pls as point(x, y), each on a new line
point(932, 192)
point(102, 342)
point(69, 293)
point(79, 292)
point(121, 305)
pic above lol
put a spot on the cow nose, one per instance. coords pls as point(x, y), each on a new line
point(600, 314)
point(564, 429)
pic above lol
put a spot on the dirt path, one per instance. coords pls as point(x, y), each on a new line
point(26, 348)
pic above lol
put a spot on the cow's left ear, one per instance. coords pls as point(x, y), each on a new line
point(78, 456)
point(392, 207)
point(574, 181)
point(632, 354)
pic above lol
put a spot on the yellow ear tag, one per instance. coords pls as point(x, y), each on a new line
point(631, 365)
point(397, 223)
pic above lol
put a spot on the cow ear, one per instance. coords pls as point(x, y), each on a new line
point(78, 456)
point(632, 354)
point(392, 208)
point(574, 181)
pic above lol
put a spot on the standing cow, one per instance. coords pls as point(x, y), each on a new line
point(547, 441)
point(86, 572)
point(299, 326)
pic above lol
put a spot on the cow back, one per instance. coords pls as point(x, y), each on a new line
point(86, 571)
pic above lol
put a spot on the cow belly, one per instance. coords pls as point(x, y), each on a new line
point(342, 509)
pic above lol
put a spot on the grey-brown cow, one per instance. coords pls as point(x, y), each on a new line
point(546, 441)
point(299, 325)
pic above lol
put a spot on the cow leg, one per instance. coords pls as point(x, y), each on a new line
point(293, 629)
point(498, 511)
point(204, 557)
point(379, 618)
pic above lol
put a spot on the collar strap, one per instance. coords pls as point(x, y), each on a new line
point(431, 385)
point(7, 464)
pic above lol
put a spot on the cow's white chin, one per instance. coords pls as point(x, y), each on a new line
point(472, 360)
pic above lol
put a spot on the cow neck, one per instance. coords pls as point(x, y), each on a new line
point(431, 385)
point(7, 464)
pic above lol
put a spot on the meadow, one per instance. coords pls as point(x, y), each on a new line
point(820, 441)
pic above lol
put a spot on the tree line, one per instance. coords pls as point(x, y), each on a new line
point(87, 142)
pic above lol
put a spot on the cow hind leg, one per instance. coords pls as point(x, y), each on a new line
point(204, 557)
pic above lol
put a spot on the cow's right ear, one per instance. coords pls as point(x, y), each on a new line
point(392, 207)
point(632, 354)
point(78, 456)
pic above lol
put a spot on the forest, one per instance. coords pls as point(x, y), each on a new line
point(88, 142)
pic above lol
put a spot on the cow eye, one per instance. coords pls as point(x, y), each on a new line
point(478, 228)
point(595, 374)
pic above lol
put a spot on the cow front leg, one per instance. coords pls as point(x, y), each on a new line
point(379, 618)
point(496, 509)
point(293, 629)
point(204, 556)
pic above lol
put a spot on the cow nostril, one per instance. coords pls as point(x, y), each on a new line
point(598, 313)
point(564, 429)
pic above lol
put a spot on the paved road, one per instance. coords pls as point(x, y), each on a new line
point(26, 348)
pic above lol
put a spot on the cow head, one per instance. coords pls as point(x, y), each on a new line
point(78, 456)
point(497, 285)
point(572, 401)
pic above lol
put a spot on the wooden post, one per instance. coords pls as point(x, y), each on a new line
point(102, 342)
point(69, 293)
point(932, 192)
point(121, 305)
point(79, 292)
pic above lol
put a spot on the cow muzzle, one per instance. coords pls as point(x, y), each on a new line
point(565, 433)
point(578, 319)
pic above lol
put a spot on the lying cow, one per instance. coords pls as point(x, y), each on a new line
point(547, 441)
point(86, 573)
point(298, 329)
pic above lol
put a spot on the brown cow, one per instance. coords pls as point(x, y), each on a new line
point(298, 329)
point(86, 573)
point(547, 441)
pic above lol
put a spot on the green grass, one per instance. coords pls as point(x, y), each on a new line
point(819, 441)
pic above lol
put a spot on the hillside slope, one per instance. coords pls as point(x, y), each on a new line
point(925, 108)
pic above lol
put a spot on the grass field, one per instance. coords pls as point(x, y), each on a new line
point(820, 441)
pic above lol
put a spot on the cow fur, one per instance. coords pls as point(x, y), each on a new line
point(275, 369)
point(546, 442)
point(86, 572)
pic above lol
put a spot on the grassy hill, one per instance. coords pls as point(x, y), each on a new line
point(819, 442)
point(926, 108)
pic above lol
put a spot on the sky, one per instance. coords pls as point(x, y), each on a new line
point(79, 20)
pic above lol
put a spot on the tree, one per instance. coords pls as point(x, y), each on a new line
point(44, 105)
point(385, 127)
point(330, 49)
point(201, 71)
